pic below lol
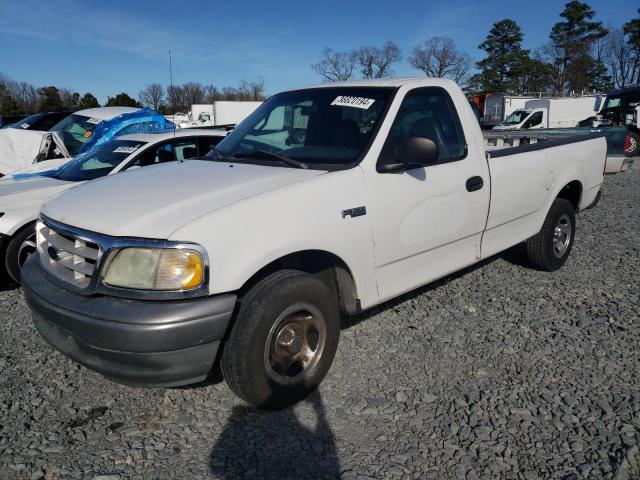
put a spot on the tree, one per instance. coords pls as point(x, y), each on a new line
point(122, 100)
point(438, 57)
point(632, 31)
point(376, 62)
point(50, 100)
point(88, 101)
point(533, 76)
point(505, 58)
point(9, 106)
point(335, 66)
point(70, 100)
point(152, 96)
point(193, 93)
point(572, 41)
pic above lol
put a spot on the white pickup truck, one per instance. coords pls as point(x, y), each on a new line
point(327, 199)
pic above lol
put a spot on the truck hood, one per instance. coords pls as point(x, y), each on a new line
point(155, 201)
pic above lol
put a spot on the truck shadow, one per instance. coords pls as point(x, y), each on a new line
point(265, 445)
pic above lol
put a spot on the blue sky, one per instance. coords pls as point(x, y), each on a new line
point(108, 47)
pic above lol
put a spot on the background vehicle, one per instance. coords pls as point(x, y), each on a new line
point(22, 195)
point(218, 113)
point(74, 134)
point(563, 112)
point(326, 199)
point(6, 120)
point(621, 108)
point(498, 106)
point(42, 122)
point(20, 147)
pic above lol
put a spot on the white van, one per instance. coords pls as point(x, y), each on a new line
point(563, 112)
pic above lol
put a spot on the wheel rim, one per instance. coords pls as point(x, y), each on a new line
point(295, 343)
point(27, 248)
point(633, 144)
point(562, 236)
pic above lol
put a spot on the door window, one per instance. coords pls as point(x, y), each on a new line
point(186, 149)
point(159, 154)
point(428, 113)
point(534, 121)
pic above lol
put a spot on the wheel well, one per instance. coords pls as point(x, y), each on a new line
point(326, 266)
point(572, 191)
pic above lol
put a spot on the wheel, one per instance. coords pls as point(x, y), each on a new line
point(21, 246)
point(550, 247)
point(632, 145)
point(283, 340)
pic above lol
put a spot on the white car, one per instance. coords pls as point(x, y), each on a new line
point(327, 199)
point(21, 195)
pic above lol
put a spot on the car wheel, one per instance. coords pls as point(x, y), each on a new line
point(632, 145)
point(550, 247)
point(21, 246)
point(283, 340)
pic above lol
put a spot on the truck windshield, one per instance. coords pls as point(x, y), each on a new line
point(623, 100)
point(75, 131)
point(322, 127)
point(516, 117)
point(98, 161)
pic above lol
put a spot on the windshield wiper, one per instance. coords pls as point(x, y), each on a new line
point(266, 154)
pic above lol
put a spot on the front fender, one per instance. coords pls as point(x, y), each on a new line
point(244, 237)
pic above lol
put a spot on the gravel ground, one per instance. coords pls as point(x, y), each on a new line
point(497, 372)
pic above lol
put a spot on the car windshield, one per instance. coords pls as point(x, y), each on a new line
point(98, 161)
point(516, 117)
point(623, 100)
point(322, 127)
point(75, 131)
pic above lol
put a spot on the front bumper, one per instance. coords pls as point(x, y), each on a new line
point(136, 342)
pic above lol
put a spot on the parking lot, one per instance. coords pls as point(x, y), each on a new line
point(497, 372)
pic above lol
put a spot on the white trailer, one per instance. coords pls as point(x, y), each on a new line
point(220, 112)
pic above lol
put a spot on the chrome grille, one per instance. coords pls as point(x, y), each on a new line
point(67, 257)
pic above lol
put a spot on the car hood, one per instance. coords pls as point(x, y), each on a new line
point(155, 201)
point(16, 191)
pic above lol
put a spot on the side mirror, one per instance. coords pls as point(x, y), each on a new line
point(414, 152)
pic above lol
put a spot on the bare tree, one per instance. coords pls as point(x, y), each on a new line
point(152, 95)
point(618, 56)
point(193, 93)
point(211, 93)
point(376, 62)
point(335, 66)
point(438, 57)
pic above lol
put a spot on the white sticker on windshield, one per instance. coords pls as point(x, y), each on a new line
point(356, 102)
point(25, 125)
point(94, 120)
point(126, 149)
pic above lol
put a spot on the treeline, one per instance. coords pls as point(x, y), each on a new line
point(582, 55)
point(22, 98)
point(179, 98)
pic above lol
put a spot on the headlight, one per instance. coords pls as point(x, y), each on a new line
point(156, 269)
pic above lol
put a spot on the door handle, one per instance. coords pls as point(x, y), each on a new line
point(474, 183)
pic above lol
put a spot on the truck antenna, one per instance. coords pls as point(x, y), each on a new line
point(172, 96)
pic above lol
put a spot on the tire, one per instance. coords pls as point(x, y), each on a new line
point(632, 146)
point(19, 248)
point(263, 357)
point(550, 247)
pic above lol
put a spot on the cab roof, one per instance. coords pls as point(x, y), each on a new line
point(385, 82)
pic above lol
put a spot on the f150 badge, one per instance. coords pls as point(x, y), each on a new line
point(354, 212)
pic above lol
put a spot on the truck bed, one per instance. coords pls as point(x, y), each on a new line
point(509, 142)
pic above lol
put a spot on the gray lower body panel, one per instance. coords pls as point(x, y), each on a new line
point(145, 343)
